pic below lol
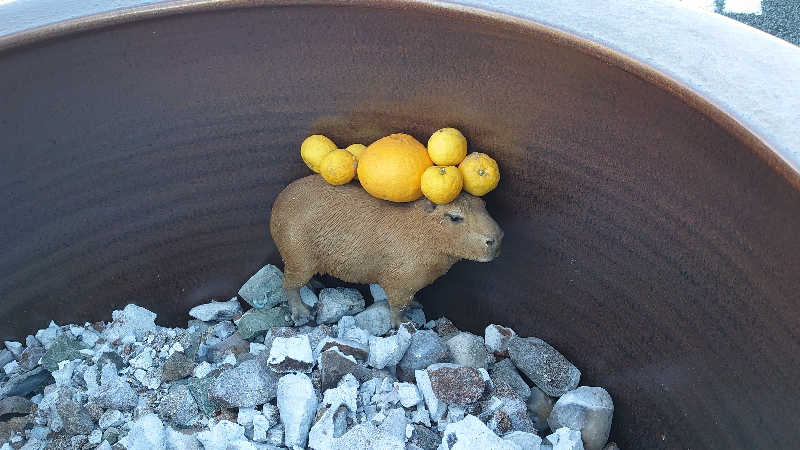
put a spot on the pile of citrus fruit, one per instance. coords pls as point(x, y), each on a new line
point(399, 168)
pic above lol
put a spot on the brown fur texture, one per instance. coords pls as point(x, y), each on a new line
point(345, 232)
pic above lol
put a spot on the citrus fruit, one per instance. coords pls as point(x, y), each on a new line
point(391, 168)
point(480, 173)
point(442, 184)
point(314, 148)
point(356, 149)
point(338, 167)
point(447, 147)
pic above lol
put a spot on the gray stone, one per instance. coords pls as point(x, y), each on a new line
point(30, 357)
point(506, 371)
point(526, 441)
point(376, 319)
point(146, 433)
point(179, 407)
point(256, 321)
point(216, 310)
point(408, 394)
point(611, 446)
point(468, 350)
point(260, 428)
point(14, 347)
point(22, 384)
point(446, 328)
point(199, 389)
point(367, 435)
point(470, 433)
point(62, 348)
point(544, 365)
point(177, 440)
point(425, 438)
point(95, 436)
point(565, 439)
point(388, 351)
point(539, 407)
point(114, 392)
point(74, 417)
point(327, 427)
point(264, 289)
point(291, 354)
point(14, 406)
point(111, 418)
point(425, 348)
point(246, 385)
point(417, 316)
point(111, 357)
point(11, 367)
point(176, 367)
point(347, 330)
point(334, 303)
point(394, 424)
point(588, 410)
point(514, 408)
point(131, 321)
point(233, 344)
point(297, 403)
point(308, 296)
point(111, 435)
point(220, 435)
point(496, 338)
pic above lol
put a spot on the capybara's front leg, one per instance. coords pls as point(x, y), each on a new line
point(296, 276)
point(399, 299)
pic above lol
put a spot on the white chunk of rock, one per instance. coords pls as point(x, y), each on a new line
point(408, 394)
point(388, 351)
point(470, 433)
point(496, 338)
point(566, 439)
point(292, 354)
point(526, 441)
point(297, 403)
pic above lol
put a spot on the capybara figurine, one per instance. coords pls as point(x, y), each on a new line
point(345, 232)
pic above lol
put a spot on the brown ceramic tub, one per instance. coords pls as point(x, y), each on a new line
point(649, 236)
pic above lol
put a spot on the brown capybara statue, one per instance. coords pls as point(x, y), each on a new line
point(345, 232)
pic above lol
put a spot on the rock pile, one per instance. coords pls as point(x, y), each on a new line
point(251, 379)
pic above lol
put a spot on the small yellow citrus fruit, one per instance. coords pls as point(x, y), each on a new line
point(338, 167)
point(356, 149)
point(314, 148)
point(480, 172)
point(391, 168)
point(447, 147)
point(442, 184)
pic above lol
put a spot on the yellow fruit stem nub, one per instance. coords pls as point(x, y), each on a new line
point(442, 171)
point(481, 172)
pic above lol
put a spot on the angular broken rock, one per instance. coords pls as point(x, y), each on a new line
point(335, 303)
point(133, 320)
point(291, 354)
point(514, 408)
point(297, 403)
point(146, 433)
point(588, 410)
point(367, 435)
point(497, 337)
point(333, 365)
point(22, 384)
point(216, 310)
point(544, 365)
point(256, 321)
point(63, 348)
point(351, 348)
point(179, 407)
point(457, 384)
point(468, 350)
point(376, 319)
point(506, 371)
point(425, 348)
point(566, 439)
point(527, 441)
point(176, 367)
point(470, 433)
point(247, 385)
point(264, 289)
point(388, 351)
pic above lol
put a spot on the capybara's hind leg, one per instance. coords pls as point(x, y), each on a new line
point(296, 276)
point(399, 299)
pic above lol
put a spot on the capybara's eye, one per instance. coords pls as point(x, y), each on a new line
point(454, 218)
